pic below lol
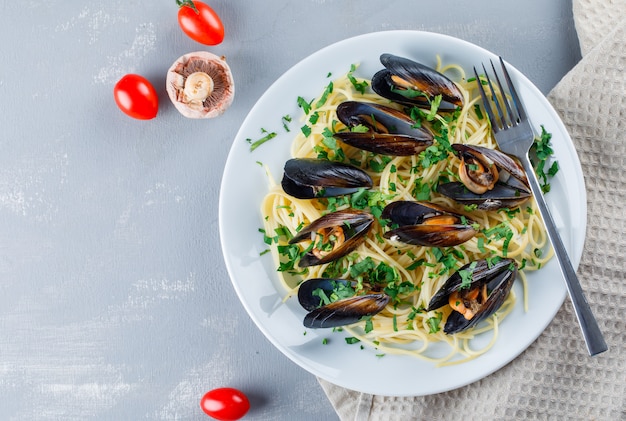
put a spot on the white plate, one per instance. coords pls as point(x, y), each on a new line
point(254, 277)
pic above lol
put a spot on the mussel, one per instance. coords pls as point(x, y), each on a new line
point(414, 84)
point(474, 292)
point(333, 236)
point(488, 178)
point(380, 129)
point(426, 224)
point(308, 178)
point(342, 312)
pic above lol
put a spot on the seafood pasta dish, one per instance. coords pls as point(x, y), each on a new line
point(397, 221)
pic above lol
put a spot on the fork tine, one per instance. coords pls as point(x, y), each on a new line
point(495, 100)
point(512, 117)
point(492, 118)
point(516, 101)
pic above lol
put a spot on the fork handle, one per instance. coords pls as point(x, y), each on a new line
point(588, 324)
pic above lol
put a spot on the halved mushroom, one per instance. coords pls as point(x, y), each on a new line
point(200, 85)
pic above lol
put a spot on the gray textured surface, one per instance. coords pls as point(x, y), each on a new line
point(114, 298)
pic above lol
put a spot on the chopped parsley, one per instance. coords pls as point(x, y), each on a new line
point(306, 106)
point(467, 275)
point(369, 326)
point(437, 152)
point(257, 143)
point(286, 120)
point(374, 200)
point(398, 289)
point(340, 291)
point(479, 113)
point(414, 312)
point(447, 258)
point(306, 130)
point(324, 97)
point(434, 322)
point(502, 231)
point(409, 93)
point(542, 152)
point(291, 253)
point(434, 106)
point(415, 264)
point(380, 273)
point(480, 243)
point(359, 128)
point(421, 191)
point(378, 163)
point(358, 86)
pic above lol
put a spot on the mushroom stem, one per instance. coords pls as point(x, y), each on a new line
point(198, 87)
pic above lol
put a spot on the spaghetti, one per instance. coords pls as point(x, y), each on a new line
point(414, 273)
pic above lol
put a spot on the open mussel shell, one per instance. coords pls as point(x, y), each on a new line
point(342, 312)
point(390, 132)
point(501, 196)
point(489, 179)
point(498, 278)
point(492, 157)
point(426, 224)
point(402, 77)
point(306, 296)
point(344, 231)
point(308, 178)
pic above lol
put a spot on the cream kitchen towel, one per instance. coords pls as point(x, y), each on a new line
point(555, 378)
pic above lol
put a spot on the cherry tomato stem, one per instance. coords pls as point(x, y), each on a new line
point(187, 3)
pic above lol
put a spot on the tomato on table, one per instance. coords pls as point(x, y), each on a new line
point(136, 97)
point(200, 22)
point(225, 404)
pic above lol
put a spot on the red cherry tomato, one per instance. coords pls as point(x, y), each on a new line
point(202, 25)
point(225, 404)
point(136, 97)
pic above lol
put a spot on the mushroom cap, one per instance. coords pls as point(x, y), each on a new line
point(223, 84)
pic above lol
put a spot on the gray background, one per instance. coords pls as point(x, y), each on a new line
point(114, 298)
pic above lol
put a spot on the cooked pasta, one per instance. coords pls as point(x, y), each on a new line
point(404, 326)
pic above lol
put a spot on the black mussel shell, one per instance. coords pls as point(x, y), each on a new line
point(391, 132)
point(510, 190)
point(499, 278)
point(342, 312)
point(355, 225)
point(432, 235)
point(501, 196)
point(406, 212)
point(384, 144)
point(346, 311)
point(423, 78)
point(500, 159)
point(383, 86)
point(414, 228)
point(308, 178)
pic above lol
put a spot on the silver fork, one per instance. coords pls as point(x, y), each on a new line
point(514, 135)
